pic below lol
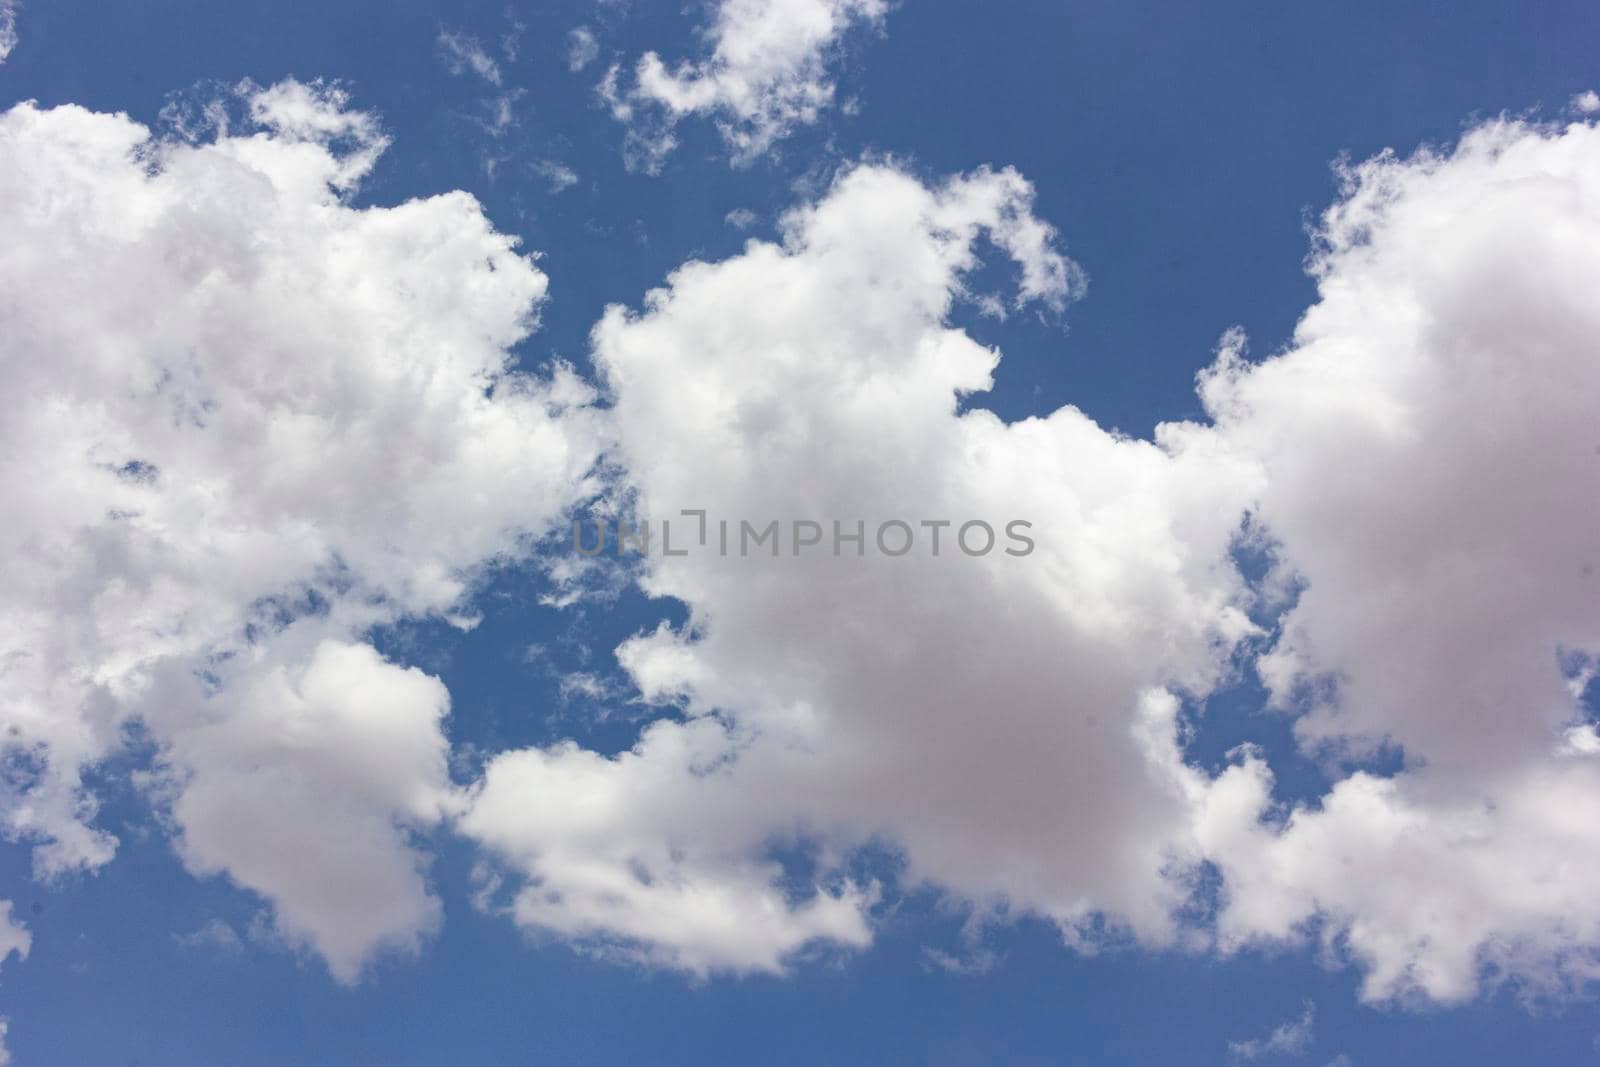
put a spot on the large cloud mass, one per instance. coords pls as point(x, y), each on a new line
point(1003, 718)
point(250, 421)
point(247, 422)
point(1431, 445)
point(1421, 461)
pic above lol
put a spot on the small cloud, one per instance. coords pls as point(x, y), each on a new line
point(8, 34)
point(557, 176)
point(214, 934)
point(501, 116)
point(1293, 1038)
point(582, 48)
point(1586, 103)
point(767, 70)
point(511, 40)
point(740, 218)
point(587, 686)
point(14, 936)
point(461, 52)
point(979, 961)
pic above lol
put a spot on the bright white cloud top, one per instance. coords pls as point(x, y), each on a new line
point(767, 72)
point(1013, 726)
point(1431, 450)
point(284, 420)
point(974, 710)
point(274, 407)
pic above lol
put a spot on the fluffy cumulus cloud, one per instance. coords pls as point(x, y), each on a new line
point(249, 422)
point(301, 785)
point(1422, 462)
point(1008, 720)
point(766, 73)
point(1431, 450)
point(649, 856)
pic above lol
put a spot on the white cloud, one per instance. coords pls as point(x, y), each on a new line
point(740, 218)
point(582, 48)
point(643, 856)
point(317, 433)
point(301, 787)
point(586, 685)
point(511, 40)
point(212, 511)
point(1587, 102)
point(8, 31)
point(1423, 460)
point(213, 934)
point(557, 176)
point(463, 52)
point(14, 936)
point(766, 73)
point(1292, 1038)
point(1431, 451)
point(1002, 719)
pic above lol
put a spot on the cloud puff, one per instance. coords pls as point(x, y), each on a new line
point(281, 421)
point(767, 72)
point(1431, 449)
point(1006, 721)
point(582, 48)
point(300, 787)
point(1292, 1038)
point(258, 422)
point(1422, 462)
point(8, 28)
point(645, 855)
point(14, 938)
point(215, 935)
point(557, 176)
point(462, 52)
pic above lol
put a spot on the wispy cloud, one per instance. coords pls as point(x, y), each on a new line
point(462, 52)
point(557, 176)
point(1292, 1038)
point(582, 48)
point(8, 28)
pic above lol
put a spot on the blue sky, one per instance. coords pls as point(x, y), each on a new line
point(1182, 153)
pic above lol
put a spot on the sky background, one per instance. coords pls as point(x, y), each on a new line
point(1179, 149)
